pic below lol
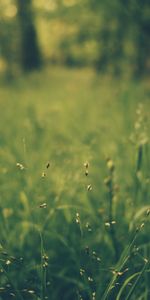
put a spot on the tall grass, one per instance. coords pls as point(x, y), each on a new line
point(74, 188)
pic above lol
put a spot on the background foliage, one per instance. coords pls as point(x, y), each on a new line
point(109, 36)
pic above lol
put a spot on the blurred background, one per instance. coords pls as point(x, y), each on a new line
point(109, 36)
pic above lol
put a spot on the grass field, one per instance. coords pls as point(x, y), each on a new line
point(75, 186)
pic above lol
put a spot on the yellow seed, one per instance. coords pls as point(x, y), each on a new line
point(86, 173)
point(31, 292)
point(89, 187)
point(148, 212)
point(113, 222)
point(110, 165)
point(43, 205)
point(86, 164)
point(48, 165)
point(107, 181)
point(43, 175)
point(20, 166)
point(90, 279)
point(12, 294)
point(82, 271)
point(142, 225)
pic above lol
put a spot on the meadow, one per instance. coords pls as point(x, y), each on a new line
point(75, 186)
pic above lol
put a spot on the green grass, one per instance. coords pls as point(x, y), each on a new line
point(57, 239)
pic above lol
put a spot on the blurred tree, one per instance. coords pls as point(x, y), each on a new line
point(30, 53)
point(123, 23)
point(8, 40)
point(111, 35)
point(141, 20)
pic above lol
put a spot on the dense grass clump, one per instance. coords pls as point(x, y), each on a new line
point(74, 200)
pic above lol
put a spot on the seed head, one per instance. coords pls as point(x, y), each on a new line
point(107, 181)
point(87, 250)
point(8, 262)
point(45, 264)
point(88, 227)
point(43, 175)
point(86, 164)
point(93, 295)
point(90, 279)
point(31, 292)
point(142, 225)
point(12, 294)
point(148, 212)
point(20, 166)
point(110, 165)
point(43, 205)
point(82, 271)
point(107, 224)
point(113, 222)
point(47, 165)
point(77, 218)
point(89, 187)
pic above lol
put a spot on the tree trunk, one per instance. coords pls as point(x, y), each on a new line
point(29, 50)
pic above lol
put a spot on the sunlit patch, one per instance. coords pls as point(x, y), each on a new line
point(7, 212)
point(11, 11)
point(50, 5)
point(3, 65)
point(69, 2)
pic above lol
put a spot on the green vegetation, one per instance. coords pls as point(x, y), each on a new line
point(110, 36)
point(74, 149)
point(74, 174)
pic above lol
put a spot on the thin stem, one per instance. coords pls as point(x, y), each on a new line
point(42, 270)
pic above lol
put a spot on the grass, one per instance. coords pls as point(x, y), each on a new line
point(74, 174)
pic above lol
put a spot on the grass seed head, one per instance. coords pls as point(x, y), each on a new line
point(107, 224)
point(113, 222)
point(20, 166)
point(142, 225)
point(43, 205)
point(45, 264)
point(107, 181)
point(47, 165)
point(43, 175)
point(90, 279)
point(148, 212)
point(82, 272)
point(31, 292)
point(77, 218)
point(110, 165)
point(87, 250)
point(88, 227)
point(86, 164)
point(89, 187)
point(8, 262)
point(12, 295)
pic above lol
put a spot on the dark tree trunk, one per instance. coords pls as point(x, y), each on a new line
point(29, 50)
point(143, 42)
